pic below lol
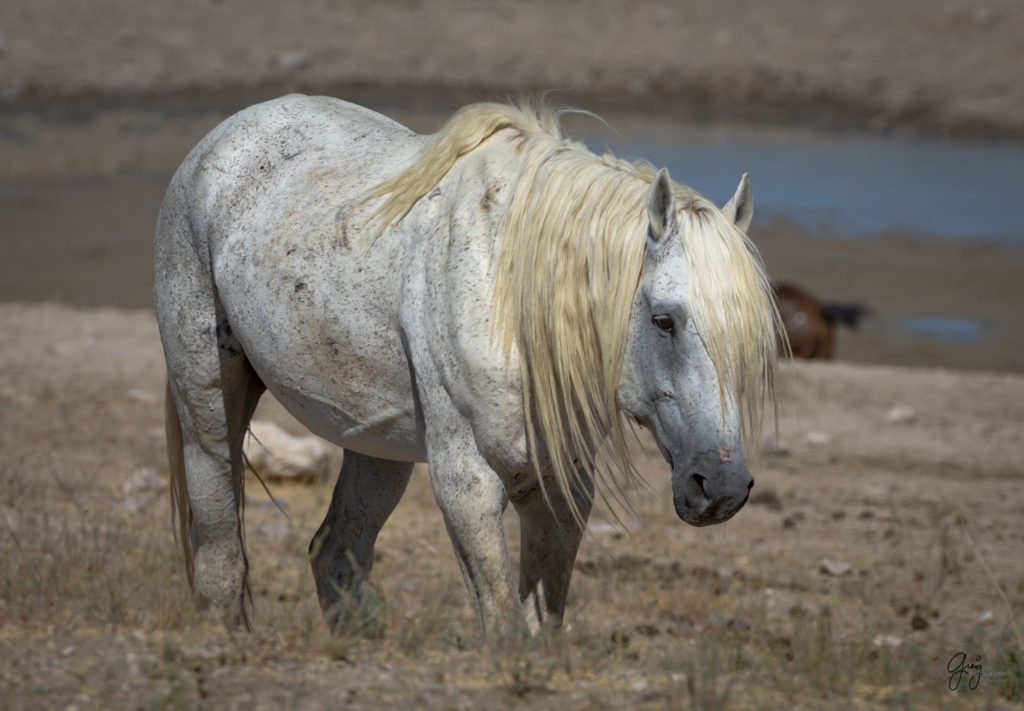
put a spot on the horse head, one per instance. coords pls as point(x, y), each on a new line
point(670, 384)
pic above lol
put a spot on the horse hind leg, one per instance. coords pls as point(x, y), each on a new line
point(214, 394)
point(341, 552)
point(213, 391)
point(213, 423)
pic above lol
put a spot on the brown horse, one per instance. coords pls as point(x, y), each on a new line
point(809, 322)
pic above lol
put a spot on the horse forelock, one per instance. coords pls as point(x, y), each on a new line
point(731, 303)
point(572, 256)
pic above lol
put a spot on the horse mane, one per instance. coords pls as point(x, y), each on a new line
point(571, 259)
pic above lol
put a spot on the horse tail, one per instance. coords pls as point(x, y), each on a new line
point(843, 314)
point(181, 509)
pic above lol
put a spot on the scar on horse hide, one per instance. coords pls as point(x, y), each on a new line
point(809, 323)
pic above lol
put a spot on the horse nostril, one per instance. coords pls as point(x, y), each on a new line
point(700, 482)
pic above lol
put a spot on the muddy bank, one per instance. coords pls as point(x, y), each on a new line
point(951, 66)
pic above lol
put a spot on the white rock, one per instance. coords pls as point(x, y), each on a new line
point(900, 415)
point(835, 568)
point(144, 479)
point(145, 396)
point(874, 494)
point(817, 438)
point(887, 640)
point(275, 454)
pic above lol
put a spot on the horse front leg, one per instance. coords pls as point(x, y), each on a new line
point(472, 498)
point(550, 534)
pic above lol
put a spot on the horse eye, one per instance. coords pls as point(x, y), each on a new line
point(665, 323)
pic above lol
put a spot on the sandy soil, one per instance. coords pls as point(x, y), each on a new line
point(884, 538)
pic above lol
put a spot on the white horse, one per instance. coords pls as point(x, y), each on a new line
point(490, 299)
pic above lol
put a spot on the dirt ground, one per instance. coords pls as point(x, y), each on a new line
point(884, 535)
point(884, 541)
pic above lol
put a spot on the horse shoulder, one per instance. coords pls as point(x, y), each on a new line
point(448, 309)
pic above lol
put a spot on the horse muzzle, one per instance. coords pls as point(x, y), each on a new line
point(712, 489)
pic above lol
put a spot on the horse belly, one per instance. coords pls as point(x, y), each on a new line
point(323, 337)
point(389, 433)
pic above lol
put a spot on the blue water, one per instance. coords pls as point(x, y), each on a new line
point(944, 328)
point(853, 184)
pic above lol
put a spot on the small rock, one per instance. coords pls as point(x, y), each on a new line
point(277, 530)
point(135, 504)
point(919, 623)
point(900, 415)
point(835, 568)
point(887, 640)
point(875, 494)
point(767, 497)
point(630, 525)
point(145, 396)
point(275, 454)
point(793, 519)
point(144, 479)
point(648, 630)
point(985, 616)
point(817, 438)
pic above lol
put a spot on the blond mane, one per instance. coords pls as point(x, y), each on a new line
point(571, 259)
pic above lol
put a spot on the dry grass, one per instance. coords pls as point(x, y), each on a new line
point(95, 611)
point(96, 614)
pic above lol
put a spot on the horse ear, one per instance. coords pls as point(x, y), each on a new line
point(661, 206)
point(740, 208)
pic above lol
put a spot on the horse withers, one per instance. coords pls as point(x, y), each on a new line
point(492, 299)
